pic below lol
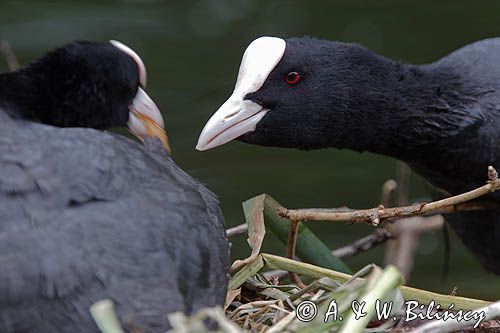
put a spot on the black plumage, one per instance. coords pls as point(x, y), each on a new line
point(82, 84)
point(442, 118)
point(87, 215)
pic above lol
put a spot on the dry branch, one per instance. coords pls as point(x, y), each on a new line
point(379, 236)
point(401, 250)
point(290, 251)
point(403, 183)
point(240, 229)
point(375, 215)
point(9, 55)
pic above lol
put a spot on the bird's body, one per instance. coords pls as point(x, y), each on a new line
point(442, 118)
point(88, 215)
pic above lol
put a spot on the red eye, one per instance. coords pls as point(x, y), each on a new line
point(292, 78)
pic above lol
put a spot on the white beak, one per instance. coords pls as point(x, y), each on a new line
point(238, 116)
point(140, 64)
point(233, 119)
point(143, 105)
point(143, 112)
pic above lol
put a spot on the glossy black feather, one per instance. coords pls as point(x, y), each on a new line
point(82, 84)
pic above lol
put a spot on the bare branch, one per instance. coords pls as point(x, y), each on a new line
point(403, 181)
point(398, 250)
point(290, 251)
point(9, 55)
point(381, 213)
point(388, 190)
point(379, 236)
point(239, 230)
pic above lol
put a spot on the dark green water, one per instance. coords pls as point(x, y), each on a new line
point(192, 50)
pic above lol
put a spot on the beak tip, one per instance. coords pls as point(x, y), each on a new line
point(201, 147)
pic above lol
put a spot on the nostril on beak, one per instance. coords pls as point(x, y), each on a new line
point(231, 115)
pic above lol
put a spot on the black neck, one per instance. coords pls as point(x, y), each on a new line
point(406, 111)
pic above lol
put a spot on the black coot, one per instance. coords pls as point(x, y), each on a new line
point(87, 215)
point(442, 118)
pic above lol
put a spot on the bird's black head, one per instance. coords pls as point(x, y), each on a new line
point(299, 92)
point(81, 84)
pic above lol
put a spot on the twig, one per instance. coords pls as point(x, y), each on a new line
point(379, 236)
point(408, 231)
point(9, 55)
point(380, 213)
point(388, 198)
point(388, 190)
point(461, 207)
point(407, 246)
point(309, 247)
point(290, 251)
point(421, 224)
point(403, 174)
point(400, 251)
point(238, 230)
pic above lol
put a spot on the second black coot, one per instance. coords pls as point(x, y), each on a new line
point(87, 215)
point(442, 118)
